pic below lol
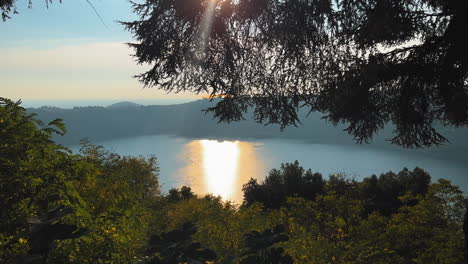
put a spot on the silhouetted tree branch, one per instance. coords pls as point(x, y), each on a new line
point(344, 58)
point(9, 6)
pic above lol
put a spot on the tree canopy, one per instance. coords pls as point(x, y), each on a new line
point(364, 63)
point(59, 207)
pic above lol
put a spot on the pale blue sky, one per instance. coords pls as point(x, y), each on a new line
point(73, 19)
point(65, 52)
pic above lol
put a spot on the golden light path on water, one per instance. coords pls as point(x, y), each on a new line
point(220, 164)
point(220, 168)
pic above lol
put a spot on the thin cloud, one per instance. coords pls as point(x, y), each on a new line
point(87, 56)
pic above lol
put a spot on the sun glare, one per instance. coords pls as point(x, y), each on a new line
point(205, 27)
point(219, 167)
point(220, 164)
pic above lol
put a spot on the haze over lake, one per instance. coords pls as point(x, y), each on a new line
point(222, 167)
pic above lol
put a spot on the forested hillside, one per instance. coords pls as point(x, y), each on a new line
point(127, 120)
point(99, 207)
point(188, 120)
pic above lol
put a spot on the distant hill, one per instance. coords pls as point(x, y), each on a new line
point(127, 119)
point(123, 105)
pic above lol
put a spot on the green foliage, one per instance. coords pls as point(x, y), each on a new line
point(99, 207)
point(45, 231)
point(177, 247)
point(334, 227)
point(175, 195)
point(382, 193)
point(377, 193)
point(35, 175)
point(119, 193)
point(107, 195)
point(290, 180)
point(259, 247)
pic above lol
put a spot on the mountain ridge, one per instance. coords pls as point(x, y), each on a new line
point(128, 119)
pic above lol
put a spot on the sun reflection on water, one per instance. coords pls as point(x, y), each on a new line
point(220, 167)
point(220, 164)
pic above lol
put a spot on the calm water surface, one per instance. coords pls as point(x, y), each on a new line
point(222, 167)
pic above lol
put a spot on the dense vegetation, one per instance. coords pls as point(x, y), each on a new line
point(43, 185)
point(99, 207)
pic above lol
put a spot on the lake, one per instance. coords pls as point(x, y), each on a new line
point(222, 167)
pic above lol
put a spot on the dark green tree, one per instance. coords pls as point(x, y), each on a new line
point(176, 195)
point(382, 194)
point(177, 246)
point(365, 63)
point(261, 247)
point(47, 230)
point(290, 180)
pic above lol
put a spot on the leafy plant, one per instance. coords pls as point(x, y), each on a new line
point(177, 246)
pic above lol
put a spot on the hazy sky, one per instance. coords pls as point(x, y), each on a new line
point(65, 52)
